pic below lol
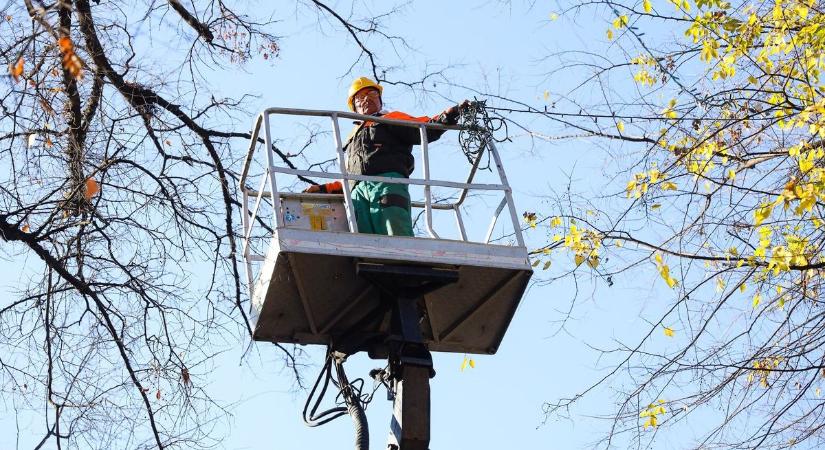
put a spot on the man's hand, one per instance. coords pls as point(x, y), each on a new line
point(329, 188)
point(452, 112)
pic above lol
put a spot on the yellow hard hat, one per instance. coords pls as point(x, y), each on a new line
point(357, 85)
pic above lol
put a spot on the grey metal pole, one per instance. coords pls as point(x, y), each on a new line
point(278, 221)
point(342, 163)
point(428, 209)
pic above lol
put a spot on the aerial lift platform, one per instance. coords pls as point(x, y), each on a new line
point(319, 281)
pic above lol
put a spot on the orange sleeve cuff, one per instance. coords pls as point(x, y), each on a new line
point(334, 188)
point(398, 115)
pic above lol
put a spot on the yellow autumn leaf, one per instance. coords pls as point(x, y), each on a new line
point(646, 5)
point(620, 126)
point(467, 362)
point(756, 299)
point(593, 261)
point(742, 287)
point(530, 218)
point(554, 16)
point(664, 271)
point(578, 259)
point(762, 213)
point(609, 35)
point(669, 332)
point(669, 112)
point(806, 163)
point(651, 422)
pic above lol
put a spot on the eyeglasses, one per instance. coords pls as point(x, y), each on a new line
point(364, 95)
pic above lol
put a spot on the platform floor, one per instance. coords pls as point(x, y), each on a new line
point(307, 291)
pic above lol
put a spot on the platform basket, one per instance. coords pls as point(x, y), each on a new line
point(305, 289)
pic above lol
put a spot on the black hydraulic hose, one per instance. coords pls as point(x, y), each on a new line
point(354, 407)
point(310, 417)
point(362, 432)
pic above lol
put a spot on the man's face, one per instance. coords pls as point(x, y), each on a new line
point(367, 101)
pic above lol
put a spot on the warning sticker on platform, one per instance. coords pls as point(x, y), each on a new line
point(317, 222)
point(317, 209)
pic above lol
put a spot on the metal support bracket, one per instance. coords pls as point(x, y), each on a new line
point(410, 361)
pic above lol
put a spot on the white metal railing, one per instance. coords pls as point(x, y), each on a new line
point(269, 177)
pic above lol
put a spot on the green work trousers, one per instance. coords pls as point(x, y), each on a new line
point(383, 208)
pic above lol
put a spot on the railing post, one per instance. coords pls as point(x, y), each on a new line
point(428, 210)
point(253, 144)
point(248, 221)
point(508, 193)
point(492, 226)
point(247, 228)
point(277, 220)
point(459, 221)
point(342, 163)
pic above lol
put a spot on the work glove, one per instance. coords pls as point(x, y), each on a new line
point(451, 114)
point(328, 188)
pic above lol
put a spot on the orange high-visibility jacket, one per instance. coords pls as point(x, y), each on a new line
point(373, 148)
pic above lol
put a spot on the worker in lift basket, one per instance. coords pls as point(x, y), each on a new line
point(382, 150)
